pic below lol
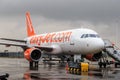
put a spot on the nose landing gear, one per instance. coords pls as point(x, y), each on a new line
point(33, 65)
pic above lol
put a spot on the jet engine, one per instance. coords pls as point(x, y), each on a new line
point(93, 57)
point(32, 54)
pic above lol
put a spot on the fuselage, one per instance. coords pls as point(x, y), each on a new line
point(75, 41)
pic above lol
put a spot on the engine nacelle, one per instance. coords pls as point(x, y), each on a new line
point(93, 57)
point(32, 54)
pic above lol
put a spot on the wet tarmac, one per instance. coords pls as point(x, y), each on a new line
point(18, 70)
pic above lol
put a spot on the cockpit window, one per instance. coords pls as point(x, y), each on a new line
point(90, 35)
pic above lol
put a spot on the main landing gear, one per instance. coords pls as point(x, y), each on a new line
point(34, 65)
point(76, 65)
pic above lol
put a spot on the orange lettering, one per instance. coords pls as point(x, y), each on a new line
point(53, 37)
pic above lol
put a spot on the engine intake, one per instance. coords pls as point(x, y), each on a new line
point(32, 54)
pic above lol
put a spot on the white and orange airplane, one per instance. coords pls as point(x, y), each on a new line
point(70, 42)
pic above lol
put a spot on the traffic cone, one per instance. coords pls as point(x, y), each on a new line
point(67, 67)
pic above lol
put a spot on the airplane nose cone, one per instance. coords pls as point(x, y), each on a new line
point(95, 46)
point(101, 44)
point(98, 45)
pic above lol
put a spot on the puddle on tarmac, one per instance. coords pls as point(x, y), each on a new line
point(58, 73)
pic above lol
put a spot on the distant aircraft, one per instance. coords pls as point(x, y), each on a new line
point(69, 42)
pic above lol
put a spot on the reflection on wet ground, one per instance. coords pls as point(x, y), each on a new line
point(56, 73)
point(18, 70)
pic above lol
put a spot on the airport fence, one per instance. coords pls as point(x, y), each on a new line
point(12, 54)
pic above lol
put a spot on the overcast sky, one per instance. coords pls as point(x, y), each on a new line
point(102, 16)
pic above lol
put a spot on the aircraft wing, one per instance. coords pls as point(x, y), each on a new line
point(11, 44)
point(25, 46)
point(16, 40)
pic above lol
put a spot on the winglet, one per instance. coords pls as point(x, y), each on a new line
point(30, 29)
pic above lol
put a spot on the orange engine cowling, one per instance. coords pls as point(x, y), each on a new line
point(32, 54)
point(93, 57)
